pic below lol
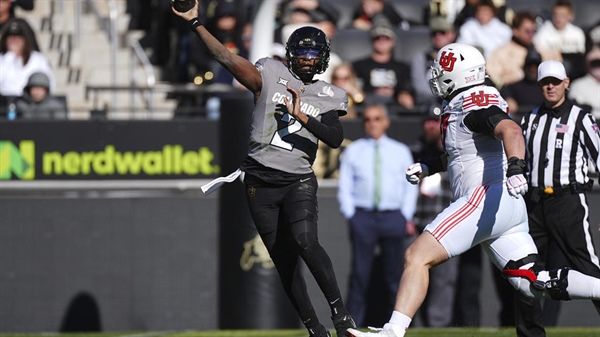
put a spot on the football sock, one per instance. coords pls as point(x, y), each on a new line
point(400, 320)
point(582, 286)
point(312, 324)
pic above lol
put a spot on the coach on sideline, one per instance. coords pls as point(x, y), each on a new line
point(560, 139)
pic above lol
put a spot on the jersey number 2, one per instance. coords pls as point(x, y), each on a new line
point(292, 128)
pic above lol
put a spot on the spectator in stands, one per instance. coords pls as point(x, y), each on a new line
point(435, 195)
point(484, 31)
point(505, 64)
point(592, 36)
point(503, 13)
point(525, 94)
point(442, 33)
point(225, 24)
point(36, 101)
point(380, 75)
point(559, 33)
point(7, 12)
point(18, 59)
point(7, 9)
point(369, 12)
point(344, 77)
point(404, 100)
point(586, 90)
point(302, 12)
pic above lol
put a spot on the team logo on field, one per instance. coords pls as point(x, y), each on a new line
point(251, 191)
point(447, 61)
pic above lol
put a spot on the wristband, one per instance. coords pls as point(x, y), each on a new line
point(194, 23)
point(515, 166)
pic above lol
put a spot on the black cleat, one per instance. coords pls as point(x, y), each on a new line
point(342, 322)
point(323, 333)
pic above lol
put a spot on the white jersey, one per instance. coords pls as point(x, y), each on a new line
point(474, 159)
point(483, 211)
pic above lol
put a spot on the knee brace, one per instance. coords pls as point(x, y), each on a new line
point(557, 284)
point(554, 282)
point(513, 270)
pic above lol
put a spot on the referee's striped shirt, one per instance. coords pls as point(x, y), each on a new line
point(563, 140)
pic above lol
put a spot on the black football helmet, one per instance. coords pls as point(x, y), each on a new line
point(307, 43)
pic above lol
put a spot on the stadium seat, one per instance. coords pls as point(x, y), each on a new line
point(351, 44)
point(411, 42)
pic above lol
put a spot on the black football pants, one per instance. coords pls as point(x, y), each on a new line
point(286, 219)
point(564, 219)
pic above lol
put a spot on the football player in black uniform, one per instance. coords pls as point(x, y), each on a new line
point(292, 113)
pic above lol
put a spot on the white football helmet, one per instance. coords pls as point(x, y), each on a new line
point(456, 66)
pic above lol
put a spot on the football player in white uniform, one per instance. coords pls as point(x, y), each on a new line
point(478, 137)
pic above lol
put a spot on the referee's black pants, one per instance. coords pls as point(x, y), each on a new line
point(564, 219)
point(285, 216)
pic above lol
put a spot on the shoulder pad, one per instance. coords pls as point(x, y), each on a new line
point(482, 97)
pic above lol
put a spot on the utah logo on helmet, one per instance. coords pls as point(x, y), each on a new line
point(447, 61)
point(457, 66)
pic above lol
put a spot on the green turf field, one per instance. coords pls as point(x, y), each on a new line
point(416, 332)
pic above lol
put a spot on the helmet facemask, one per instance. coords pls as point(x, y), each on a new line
point(307, 43)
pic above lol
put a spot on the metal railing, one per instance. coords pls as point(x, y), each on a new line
point(138, 55)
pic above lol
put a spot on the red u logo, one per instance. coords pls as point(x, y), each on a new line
point(447, 61)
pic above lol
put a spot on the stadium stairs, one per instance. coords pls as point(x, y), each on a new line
point(83, 71)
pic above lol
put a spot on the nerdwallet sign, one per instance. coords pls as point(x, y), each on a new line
point(108, 150)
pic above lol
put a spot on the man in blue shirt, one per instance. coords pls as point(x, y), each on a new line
point(379, 205)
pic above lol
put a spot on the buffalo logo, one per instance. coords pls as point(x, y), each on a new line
point(480, 99)
point(447, 61)
point(251, 191)
point(255, 252)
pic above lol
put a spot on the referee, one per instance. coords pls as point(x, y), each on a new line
point(560, 138)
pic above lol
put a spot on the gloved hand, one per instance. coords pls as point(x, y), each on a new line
point(416, 172)
point(517, 185)
point(515, 177)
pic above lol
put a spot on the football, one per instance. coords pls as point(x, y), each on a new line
point(183, 5)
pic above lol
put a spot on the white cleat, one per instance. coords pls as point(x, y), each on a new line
point(389, 330)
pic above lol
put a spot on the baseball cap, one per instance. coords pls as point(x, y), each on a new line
point(440, 24)
point(551, 69)
point(225, 8)
point(14, 29)
point(383, 30)
point(533, 57)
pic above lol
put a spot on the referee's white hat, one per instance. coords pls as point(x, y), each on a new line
point(551, 69)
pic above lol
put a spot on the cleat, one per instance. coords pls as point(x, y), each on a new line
point(323, 333)
point(342, 323)
point(389, 330)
